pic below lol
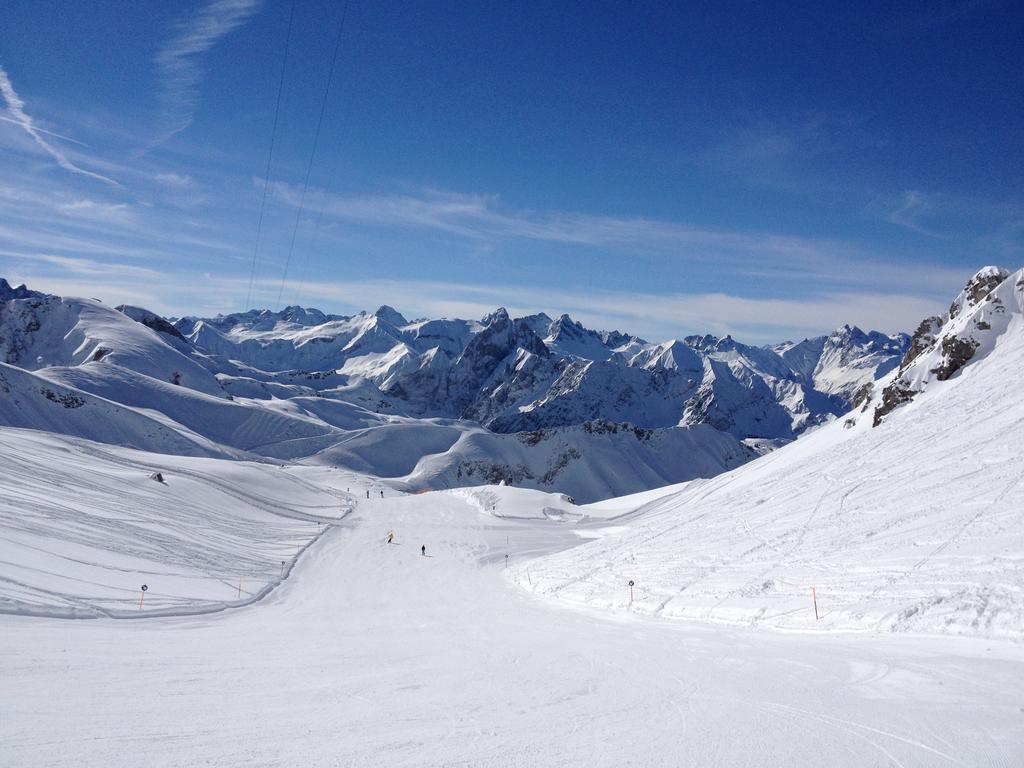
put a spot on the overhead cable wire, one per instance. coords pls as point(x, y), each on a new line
point(312, 154)
point(270, 156)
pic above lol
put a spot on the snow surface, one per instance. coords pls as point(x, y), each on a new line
point(370, 654)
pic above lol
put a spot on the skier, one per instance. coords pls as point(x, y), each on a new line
point(423, 550)
point(382, 493)
point(391, 537)
point(367, 493)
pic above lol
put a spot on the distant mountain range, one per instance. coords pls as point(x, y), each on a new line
point(431, 403)
point(519, 374)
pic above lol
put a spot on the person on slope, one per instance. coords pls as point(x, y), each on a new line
point(382, 493)
point(423, 550)
point(391, 537)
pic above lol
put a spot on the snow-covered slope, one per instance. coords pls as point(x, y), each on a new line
point(84, 526)
point(913, 525)
point(30, 401)
point(40, 331)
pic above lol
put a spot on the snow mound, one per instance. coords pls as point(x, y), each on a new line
point(519, 503)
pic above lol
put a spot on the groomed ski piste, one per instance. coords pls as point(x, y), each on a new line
point(280, 627)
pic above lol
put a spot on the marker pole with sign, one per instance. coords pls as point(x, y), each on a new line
point(631, 583)
point(142, 595)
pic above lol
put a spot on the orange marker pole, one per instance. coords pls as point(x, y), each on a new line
point(814, 596)
point(239, 589)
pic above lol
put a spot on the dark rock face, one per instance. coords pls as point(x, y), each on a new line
point(893, 396)
point(956, 352)
point(862, 396)
point(21, 292)
point(152, 320)
point(978, 288)
point(922, 340)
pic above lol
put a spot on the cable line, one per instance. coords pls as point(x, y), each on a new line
point(312, 154)
point(270, 155)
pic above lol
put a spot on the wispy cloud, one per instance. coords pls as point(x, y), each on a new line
point(18, 116)
point(44, 131)
point(85, 267)
point(175, 180)
point(96, 210)
point(745, 253)
point(911, 210)
point(482, 217)
point(179, 61)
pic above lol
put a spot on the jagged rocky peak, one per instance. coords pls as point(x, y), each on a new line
point(501, 335)
point(941, 347)
point(151, 320)
point(846, 334)
point(704, 343)
point(391, 316)
point(539, 323)
point(977, 289)
point(7, 293)
point(922, 340)
point(617, 339)
point(566, 327)
point(303, 316)
point(500, 315)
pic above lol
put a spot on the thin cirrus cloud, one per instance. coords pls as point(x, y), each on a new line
point(910, 211)
point(19, 117)
point(180, 60)
point(479, 217)
point(56, 135)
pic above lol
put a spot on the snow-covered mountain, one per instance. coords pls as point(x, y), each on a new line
point(905, 516)
point(614, 413)
point(514, 374)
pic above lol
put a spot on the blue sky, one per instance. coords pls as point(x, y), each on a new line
point(658, 168)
